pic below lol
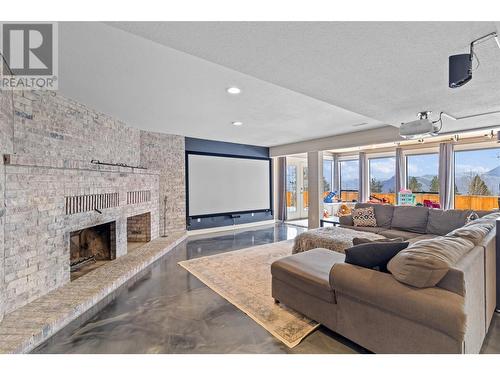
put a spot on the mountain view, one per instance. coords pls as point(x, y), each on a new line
point(476, 173)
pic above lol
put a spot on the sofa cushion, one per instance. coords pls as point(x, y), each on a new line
point(368, 229)
point(383, 213)
point(421, 237)
point(364, 217)
point(482, 213)
point(492, 215)
point(346, 220)
point(394, 233)
point(489, 218)
point(361, 240)
point(475, 232)
point(424, 263)
point(309, 272)
point(410, 219)
point(374, 255)
point(441, 222)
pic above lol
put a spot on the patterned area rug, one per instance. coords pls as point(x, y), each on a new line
point(243, 277)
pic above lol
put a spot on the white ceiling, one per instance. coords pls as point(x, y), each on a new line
point(387, 71)
point(300, 80)
point(153, 87)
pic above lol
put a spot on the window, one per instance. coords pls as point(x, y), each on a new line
point(382, 178)
point(291, 188)
point(422, 173)
point(327, 175)
point(349, 179)
point(422, 177)
point(477, 179)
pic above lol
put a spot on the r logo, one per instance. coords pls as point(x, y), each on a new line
point(28, 48)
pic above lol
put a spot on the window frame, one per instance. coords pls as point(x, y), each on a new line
point(330, 160)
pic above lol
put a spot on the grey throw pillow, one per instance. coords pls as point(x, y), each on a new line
point(361, 240)
point(374, 255)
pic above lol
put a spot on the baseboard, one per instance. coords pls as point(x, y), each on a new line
point(229, 227)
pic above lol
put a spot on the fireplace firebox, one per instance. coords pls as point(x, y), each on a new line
point(91, 247)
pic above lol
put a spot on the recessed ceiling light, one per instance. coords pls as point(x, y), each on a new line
point(233, 90)
point(237, 123)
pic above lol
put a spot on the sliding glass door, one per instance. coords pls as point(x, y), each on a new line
point(297, 197)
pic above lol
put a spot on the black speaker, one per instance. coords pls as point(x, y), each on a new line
point(460, 70)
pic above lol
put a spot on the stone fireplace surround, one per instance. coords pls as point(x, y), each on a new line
point(40, 222)
point(49, 187)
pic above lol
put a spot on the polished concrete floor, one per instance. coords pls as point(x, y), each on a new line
point(167, 310)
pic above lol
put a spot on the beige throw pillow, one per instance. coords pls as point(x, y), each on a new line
point(473, 232)
point(364, 217)
point(424, 263)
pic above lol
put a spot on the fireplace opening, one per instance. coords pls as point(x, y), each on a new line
point(91, 247)
point(138, 231)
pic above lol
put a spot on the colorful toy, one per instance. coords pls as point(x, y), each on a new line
point(406, 198)
point(343, 211)
point(431, 204)
point(329, 197)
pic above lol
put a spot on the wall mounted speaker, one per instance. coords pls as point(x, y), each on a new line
point(460, 70)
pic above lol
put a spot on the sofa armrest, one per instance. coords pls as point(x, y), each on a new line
point(437, 308)
point(346, 220)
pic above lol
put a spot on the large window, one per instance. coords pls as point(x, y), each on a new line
point(349, 179)
point(382, 178)
point(477, 179)
point(327, 175)
point(422, 176)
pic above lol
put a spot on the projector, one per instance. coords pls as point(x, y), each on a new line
point(419, 128)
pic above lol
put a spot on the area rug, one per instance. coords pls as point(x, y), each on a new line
point(243, 277)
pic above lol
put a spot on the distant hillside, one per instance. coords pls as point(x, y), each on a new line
point(490, 178)
point(494, 172)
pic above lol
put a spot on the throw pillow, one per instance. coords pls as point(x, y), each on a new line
point(426, 262)
point(473, 232)
point(472, 216)
point(361, 240)
point(364, 217)
point(374, 255)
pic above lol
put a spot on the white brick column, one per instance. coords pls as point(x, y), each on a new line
point(314, 180)
point(6, 147)
point(2, 249)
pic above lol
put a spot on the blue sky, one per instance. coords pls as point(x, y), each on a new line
point(478, 161)
point(382, 168)
point(423, 165)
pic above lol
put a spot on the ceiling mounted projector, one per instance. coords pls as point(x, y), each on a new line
point(420, 128)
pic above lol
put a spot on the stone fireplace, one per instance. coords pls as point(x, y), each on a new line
point(70, 177)
point(91, 247)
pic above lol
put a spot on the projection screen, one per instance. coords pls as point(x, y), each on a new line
point(227, 185)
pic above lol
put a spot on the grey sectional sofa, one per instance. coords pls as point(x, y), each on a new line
point(384, 315)
point(411, 223)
